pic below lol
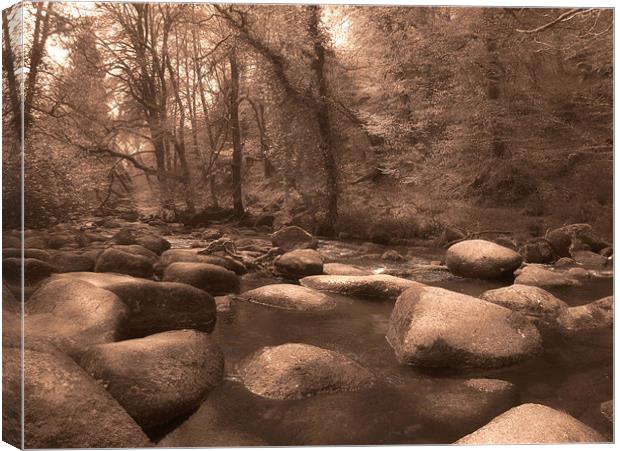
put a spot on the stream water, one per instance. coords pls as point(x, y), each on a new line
point(407, 406)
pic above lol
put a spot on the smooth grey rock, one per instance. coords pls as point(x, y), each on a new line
point(64, 406)
point(532, 424)
point(214, 279)
point(539, 305)
point(293, 237)
point(434, 327)
point(289, 297)
point(300, 263)
point(378, 286)
point(117, 261)
point(295, 370)
point(541, 276)
point(480, 259)
point(74, 314)
point(159, 377)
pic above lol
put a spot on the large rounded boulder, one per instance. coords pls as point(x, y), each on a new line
point(437, 328)
point(378, 286)
point(539, 305)
point(214, 279)
point(64, 406)
point(64, 261)
point(74, 315)
point(480, 259)
point(160, 306)
point(289, 297)
point(293, 237)
point(154, 306)
point(299, 263)
point(532, 424)
point(295, 370)
point(118, 261)
point(190, 256)
point(160, 377)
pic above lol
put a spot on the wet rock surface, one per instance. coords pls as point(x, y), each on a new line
point(297, 370)
point(159, 377)
point(188, 256)
point(539, 305)
point(118, 261)
point(434, 327)
point(64, 406)
point(379, 286)
point(401, 406)
point(213, 279)
point(583, 319)
point(289, 297)
point(481, 259)
point(544, 277)
point(532, 423)
point(299, 263)
point(74, 315)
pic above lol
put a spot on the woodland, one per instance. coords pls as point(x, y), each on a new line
point(365, 121)
point(278, 225)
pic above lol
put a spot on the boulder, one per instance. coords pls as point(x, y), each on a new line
point(564, 262)
point(539, 305)
point(532, 424)
point(100, 280)
point(341, 269)
point(37, 242)
point(480, 259)
point(211, 278)
point(575, 235)
point(71, 262)
point(589, 259)
point(188, 256)
point(299, 263)
point(74, 314)
point(57, 241)
point(64, 406)
point(541, 276)
point(537, 251)
point(597, 315)
point(160, 306)
point(160, 377)
point(378, 286)
point(154, 243)
point(133, 235)
point(155, 306)
point(9, 241)
point(434, 327)
point(136, 249)
point(392, 255)
point(117, 261)
point(289, 297)
point(34, 270)
point(293, 237)
point(295, 370)
point(39, 254)
point(430, 273)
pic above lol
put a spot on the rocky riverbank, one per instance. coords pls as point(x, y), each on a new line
point(156, 327)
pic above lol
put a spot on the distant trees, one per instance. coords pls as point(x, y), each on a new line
point(474, 103)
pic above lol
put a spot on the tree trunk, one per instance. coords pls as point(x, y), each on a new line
point(323, 119)
point(236, 136)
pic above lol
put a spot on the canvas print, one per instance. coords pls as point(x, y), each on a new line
point(240, 224)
